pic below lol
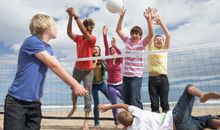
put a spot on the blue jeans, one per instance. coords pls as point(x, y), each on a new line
point(21, 115)
point(102, 87)
point(182, 114)
point(132, 91)
point(158, 87)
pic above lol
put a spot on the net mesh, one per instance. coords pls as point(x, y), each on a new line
point(198, 65)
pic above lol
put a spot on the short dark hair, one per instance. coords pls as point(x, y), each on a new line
point(136, 29)
point(158, 36)
point(88, 22)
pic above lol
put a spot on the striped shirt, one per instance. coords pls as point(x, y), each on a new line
point(133, 66)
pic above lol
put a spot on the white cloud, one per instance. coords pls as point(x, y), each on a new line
point(190, 22)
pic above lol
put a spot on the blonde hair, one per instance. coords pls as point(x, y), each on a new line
point(40, 23)
point(125, 118)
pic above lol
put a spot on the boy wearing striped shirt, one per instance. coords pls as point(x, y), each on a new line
point(133, 71)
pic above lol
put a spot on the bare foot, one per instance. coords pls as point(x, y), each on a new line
point(96, 128)
point(116, 126)
point(85, 128)
point(86, 125)
point(72, 112)
point(210, 95)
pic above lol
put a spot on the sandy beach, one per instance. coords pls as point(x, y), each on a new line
point(76, 124)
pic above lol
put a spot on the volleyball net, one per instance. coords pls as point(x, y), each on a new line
point(197, 65)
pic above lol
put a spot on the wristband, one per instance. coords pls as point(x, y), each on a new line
point(76, 17)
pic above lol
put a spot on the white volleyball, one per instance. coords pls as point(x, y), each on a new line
point(114, 6)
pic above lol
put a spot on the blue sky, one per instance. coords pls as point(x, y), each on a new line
point(191, 22)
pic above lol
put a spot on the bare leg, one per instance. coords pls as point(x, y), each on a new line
point(202, 95)
point(72, 111)
point(210, 95)
point(96, 128)
point(86, 122)
point(74, 101)
point(116, 126)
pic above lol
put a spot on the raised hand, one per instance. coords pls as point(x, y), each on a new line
point(122, 12)
point(157, 20)
point(153, 12)
point(104, 30)
point(147, 12)
point(113, 42)
point(150, 13)
point(71, 12)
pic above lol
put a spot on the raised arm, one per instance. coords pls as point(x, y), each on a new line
point(55, 66)
point(104, 32)
point(165, 31)
point(69, 25)
point(113, 42)
point(117, 50)
point(104, 108)
point(72, 13)
point(119, 25)
point(148, 14)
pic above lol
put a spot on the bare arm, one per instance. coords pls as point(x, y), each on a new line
point(119, 25)
point(55, 66)
point(82, 28)
point(120, 60)
point(104, 108)
point(148, 13)
point(117, 50)
point(69, 26)
point(165, 31)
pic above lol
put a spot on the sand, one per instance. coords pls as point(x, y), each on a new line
point(73, 124)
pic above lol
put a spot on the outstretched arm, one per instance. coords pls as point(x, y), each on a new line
point(165, 31)
point(55, 66)
point(82, 28)
point(104, 108)
point(119, 25)
point(148, 14)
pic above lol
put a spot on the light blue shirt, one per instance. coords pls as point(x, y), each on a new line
point(31, 72)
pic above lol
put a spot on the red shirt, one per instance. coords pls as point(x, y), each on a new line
point(84, 49)
point(114, 69)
